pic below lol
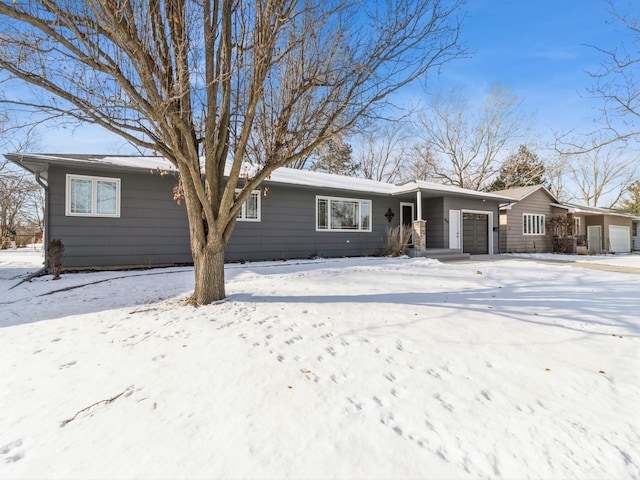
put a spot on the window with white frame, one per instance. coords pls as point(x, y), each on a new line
point(92, 196)
point(533, 224)
point(343, 214)
point(250, 211)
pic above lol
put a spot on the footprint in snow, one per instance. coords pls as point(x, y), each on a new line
point(12, 451)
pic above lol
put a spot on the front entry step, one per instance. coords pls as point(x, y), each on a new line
point(442, 254)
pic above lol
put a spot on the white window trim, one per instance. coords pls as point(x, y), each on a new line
point(94, 196)
point(343, 199)
point(542, 224)
point(243, 209)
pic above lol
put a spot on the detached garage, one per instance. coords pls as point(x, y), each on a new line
point(619, 239)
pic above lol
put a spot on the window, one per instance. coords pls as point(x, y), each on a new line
point(532, 224)
point(343, 214)
point(250, 211)
point(92, 196)
point(576, 226)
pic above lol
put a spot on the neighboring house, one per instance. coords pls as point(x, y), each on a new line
point(119, 211)
point(605, 230)
point(523, 220)
point(526, 223)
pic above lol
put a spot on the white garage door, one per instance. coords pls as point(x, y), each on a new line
point(619, 239)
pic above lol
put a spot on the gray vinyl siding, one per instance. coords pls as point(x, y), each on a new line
point(433, 213)
point(151, 230)
point(513, 239)
point(436, 213)
point(287, 228)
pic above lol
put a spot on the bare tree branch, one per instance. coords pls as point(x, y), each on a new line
point(215, 84)
point(463, 141)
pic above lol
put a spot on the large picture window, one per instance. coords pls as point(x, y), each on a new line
point(343, 214)
point(533, 224)
point(250, 211)
point(92, 196)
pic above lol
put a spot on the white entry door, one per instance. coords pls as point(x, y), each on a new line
point(454, 229)
point(594, 238)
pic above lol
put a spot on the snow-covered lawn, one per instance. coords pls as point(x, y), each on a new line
point(351, 368)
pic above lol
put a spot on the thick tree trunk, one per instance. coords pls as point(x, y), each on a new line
point(208, 266)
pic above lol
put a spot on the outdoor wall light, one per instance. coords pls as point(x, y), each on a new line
point(389, 215)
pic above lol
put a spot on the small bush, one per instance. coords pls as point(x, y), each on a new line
point(396, 240)
point(55, 250)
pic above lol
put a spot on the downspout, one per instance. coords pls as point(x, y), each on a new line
point(45, 233)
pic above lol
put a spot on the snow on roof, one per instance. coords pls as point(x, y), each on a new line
point(134, 162)
point(147, 163)
point(574, 208)
point(282, 175)
point(422, 185)
point(327, 180)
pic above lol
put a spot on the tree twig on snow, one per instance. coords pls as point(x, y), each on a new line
point(105, 401)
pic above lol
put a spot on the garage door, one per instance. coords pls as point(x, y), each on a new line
point(619, 239)
point(475, 233)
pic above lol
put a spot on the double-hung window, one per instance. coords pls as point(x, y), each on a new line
point(92, 196)
point(250, 211)
point(533, 224)
point(343, 214)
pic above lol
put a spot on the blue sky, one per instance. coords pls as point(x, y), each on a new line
point(538, 48)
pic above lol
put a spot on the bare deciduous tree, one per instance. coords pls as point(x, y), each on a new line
point(465, 141)
point(214, 84)
point(556, 170)
point(382, 152)
point(21, 199)
point(419, 163)
point(617, 83)
point(19, 202)
point(603, 173)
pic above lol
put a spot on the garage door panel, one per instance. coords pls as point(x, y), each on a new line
point(475, 233)
point(619, 239)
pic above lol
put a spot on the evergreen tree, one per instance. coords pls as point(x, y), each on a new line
point(334, 156)
point(521, 169)
point(632, 202)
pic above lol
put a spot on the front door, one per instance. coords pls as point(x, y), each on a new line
point(406, 219)
point(594, 239)
point(454, 229)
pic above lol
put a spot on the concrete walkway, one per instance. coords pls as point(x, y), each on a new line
point(590, 265)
